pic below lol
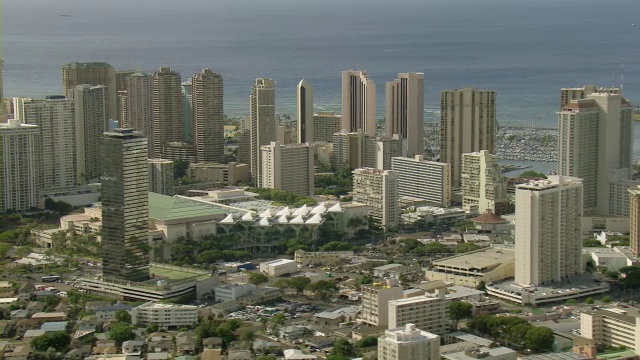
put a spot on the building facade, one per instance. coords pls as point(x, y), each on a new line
point(405, 111)
point(423, 179)
point(306, 119)
point(595, 142)
point(20, 167)
point(427, 313)
point(569, 94)
point(161, 177)
point(483, 185)
point(125, 205)
point(262, 123)
point(288, 168)
point(612, 326)
point(325, 124)
point(408, 342)
point(91, 73)
point(358, 102)
point(139, 103)
point(166, 316)
point(91, 122)
point(56, 120)
point(548, 230)
point(230, 174)
point(208, 116)
point(375, 302)
point(379, 190)
point(167, 111)
point(467, 124)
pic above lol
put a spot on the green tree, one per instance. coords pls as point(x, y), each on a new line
point(459, 310)
point(4, 250)
point(258, 278)
point(121, 332)
point(282, 284)
point(247, 335)
point(588, 242)
point(180, 168)
point(58, 340)
point(266, 357)
point(367, 341)
point(630, 277)
point(151, 328)
point(336, 246)
point(123, 316)
point(533, 174)
point(589, 301)
point(299, 283)
point(482, 286)
point(342, 347)
point(323, 288)
point(606, 299)
point(278, 319)
point(539, 339)
point(366, 280)
point(466, 247)
point(517, 334)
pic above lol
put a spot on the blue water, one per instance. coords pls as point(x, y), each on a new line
point(526, 50)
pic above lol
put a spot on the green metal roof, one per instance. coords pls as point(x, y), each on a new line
point(163, 207)
point(624, 354)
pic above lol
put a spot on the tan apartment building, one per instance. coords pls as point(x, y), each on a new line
point(405, 111)
point(408, 342)
point(358, 102)
point(578, 93)
point(375, 301)
point(634, 220)
point(325, 124)
point(288, 167)
point(90, 122)
point(167, 111)
point(161, 177)
point(139, 103)
point(231, 173)
point(426, 312)
point(20, 168)
point(483, 185)
point(208, 116)
point(423, 179)
point(612, 326)
point(91, 73)
point(262, 124)
point(379, 190)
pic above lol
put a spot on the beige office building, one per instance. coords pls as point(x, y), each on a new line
point(358, 102)
point(483, 185)
point(325, 124)
point(161, 178)
point(139, 104)
point(262, 123)
point(467, 124)
point(569, 94)
point(228, 174)
point(612, 326)
point(91, 121)
point(426, 312)
point(288, 167)
point(306, 119)
point(634, 220)
point(208, 116)
point(56, 120)
point(405, 111)
point(548, 230)
point(91, 73)
point(358, 150)
point(3, 110)
point(375, 301)
point(595, 142)
point(379, 190)
point(20, 167)
point(167, 111)
point(120, 86)
point(423, 179)
point(408, 342)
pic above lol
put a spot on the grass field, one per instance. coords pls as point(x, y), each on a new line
point(174, 274)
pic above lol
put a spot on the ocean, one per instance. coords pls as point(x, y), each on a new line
point(526, 50)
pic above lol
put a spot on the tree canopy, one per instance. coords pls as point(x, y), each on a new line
point(121, 332)
point(459, 310)
point(299, 283)
point(323, 288)
point(58, 340)
point(258, 278)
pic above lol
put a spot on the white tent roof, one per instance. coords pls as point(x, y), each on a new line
point(320, 209)
point(315, 219)
point(283, 219)
point(228, 219)
point(266, 214)
point(297, 220)
point(304, 210)
point(247, 217)
point(285, 211)
point(264, 222)
point(335, 208)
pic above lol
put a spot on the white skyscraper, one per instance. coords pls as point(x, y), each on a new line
point(467, 124)
point(548, 230)
point(358, 102)
point(423, 179)
point(56, 119)
point(379, 190)
point(91, 122)
point(305, 112)
point(20, 167)
point(408, 343)
point(288, 167)
point(263, 122)
point(405, 111)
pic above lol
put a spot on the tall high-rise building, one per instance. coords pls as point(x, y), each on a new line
point(91, 123)
point(263, 123)
point(325, 124)
point(125, 205)
point(91, 73)
point(187, 111)
point(408, 342)
point(358, 102)
point(634, 220)
point(3, 111)
point(483, 185)
point(595, 140)
point(161, 176)
point(20, 166)
point(423, 179)
point(139, 103)
point(569, 94)
point(379, 190)
point(467, 124)
point(122, 108)
point(119, 85)
point(56, 120)
point(548, 230)
point(305, 112)
point(288, 167)
point(208, 116)
point(167, 111)
point(405, 111)
point(358, 150)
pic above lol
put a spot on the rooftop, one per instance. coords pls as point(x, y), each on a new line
point(567, 355)
point(164, 208)
point(614, 355)
point(478, 260)
point(463, 355)
point(489, 218)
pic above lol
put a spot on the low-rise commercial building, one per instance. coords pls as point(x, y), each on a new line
point(612, 326)
point(321, 257)
point(166, 316)
point(488, 265)
point(231, 173)
point(408, 342)
point(233, 291)
point(279, 267)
